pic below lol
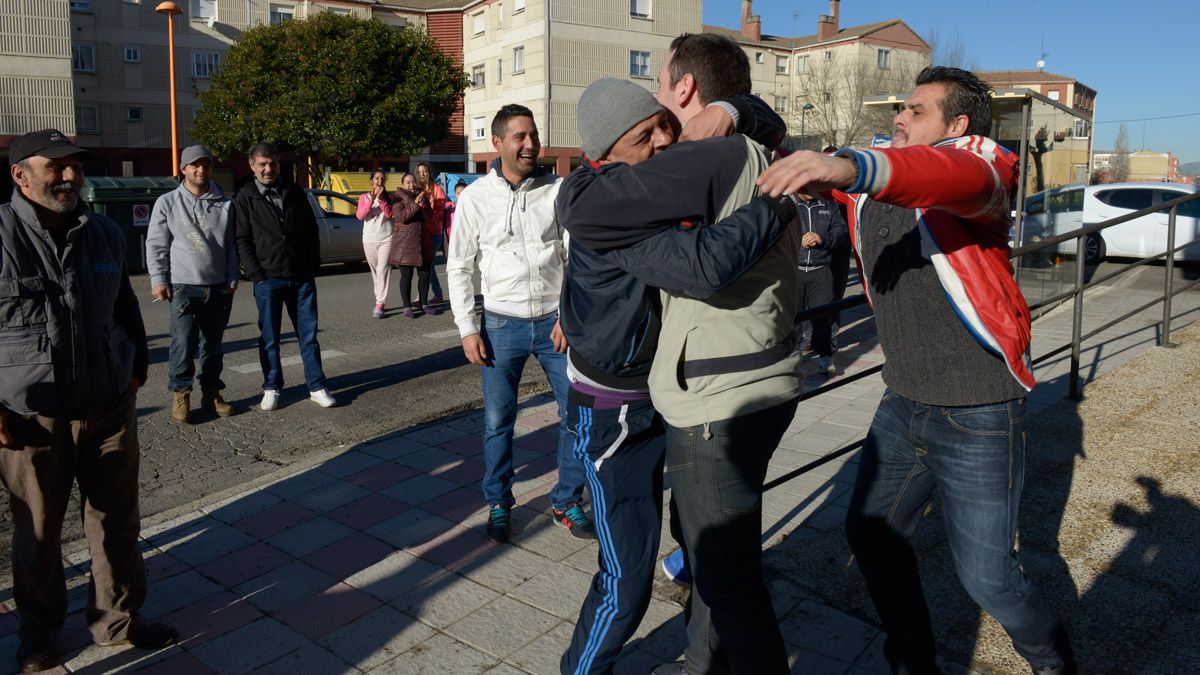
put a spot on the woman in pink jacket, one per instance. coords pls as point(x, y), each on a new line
point(375, 212)
point(432, 199)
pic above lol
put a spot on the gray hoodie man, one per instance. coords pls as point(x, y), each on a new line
point(191, 254)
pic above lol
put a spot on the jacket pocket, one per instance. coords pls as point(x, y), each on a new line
point(27, 370)
point(22, 301)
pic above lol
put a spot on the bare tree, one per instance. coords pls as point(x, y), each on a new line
point(951, 50)
point(835, 83)
point(1119, 164)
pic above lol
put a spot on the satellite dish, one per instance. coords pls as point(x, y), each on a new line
point(1041, 64)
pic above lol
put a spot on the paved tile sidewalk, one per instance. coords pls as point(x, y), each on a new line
point(375, 560)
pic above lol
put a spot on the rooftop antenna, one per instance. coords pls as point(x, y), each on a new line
point(795, 17)
point(1041, 64)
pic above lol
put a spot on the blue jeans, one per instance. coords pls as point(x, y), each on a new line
point(974, 456)
point(199, 315)
point(717, 471)
point(272, 295)
point(510, 342)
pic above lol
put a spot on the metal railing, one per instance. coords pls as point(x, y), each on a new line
point(1075, 293)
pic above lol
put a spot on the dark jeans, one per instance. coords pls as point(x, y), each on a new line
point(406, 275)
point(621, 451)
point(98, 449)
point(199, 315)
point(299, 296)
point(815, 288)
point(717, 473)
point(974, 456)
point(431, 265)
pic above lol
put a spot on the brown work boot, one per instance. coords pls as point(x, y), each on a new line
point(211, 399)
point(181, 406)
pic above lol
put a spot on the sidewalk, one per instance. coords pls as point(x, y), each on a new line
point(375, 559)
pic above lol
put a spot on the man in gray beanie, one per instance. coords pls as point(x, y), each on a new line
point(192, 259)
point(624, 244)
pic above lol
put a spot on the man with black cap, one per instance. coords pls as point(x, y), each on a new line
point(75, 354)
point(192, 259)
point(623, 209)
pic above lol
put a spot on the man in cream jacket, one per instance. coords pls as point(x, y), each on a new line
point(504, 224)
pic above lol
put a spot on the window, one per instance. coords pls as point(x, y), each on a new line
point(133, 114)
point(133, 54)
point(639, 8)
point(281, 13)
point(499, 71)
point(759, 58)
point(518, 6)
point(477, 76)
point(1134, 200)
point(480, 23)
point(781, 104)
point(478, 128)
point(205, 64)
point(827, 97)
point(83, 58)
point(1053, 94)
point(639, 64)
point(883, 58)
point(81, 5)
point(1082, 129)
point(802, 64)
point(203, 10)
point(518, 59)
point(828, 55)
point(86, 121)
point(781, 65)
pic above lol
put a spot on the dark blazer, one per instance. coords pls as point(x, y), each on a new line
point(272, 243)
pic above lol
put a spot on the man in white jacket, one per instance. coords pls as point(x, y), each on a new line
point(192, 259)
point(505, 223)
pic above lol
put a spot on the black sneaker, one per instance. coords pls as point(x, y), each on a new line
point(574, 519)
point(499, 526)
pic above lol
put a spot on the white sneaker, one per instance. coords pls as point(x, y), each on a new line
point(825, 365)
point(270, 400)
point(322, 398)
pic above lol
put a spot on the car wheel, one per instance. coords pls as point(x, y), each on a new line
point(1093, 249)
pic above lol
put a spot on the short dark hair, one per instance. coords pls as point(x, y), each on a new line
point(720, 67)
point(460, 184)
point(500, 121)
point(262, 150)
point(966, 94)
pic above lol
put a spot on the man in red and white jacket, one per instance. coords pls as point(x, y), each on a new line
point(929, 223)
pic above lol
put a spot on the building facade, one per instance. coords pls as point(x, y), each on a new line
point(1144, 166)
point(35, 72)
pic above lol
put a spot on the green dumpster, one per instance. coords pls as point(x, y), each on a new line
point(128, 201)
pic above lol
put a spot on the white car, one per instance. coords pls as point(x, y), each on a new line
point(1061, 210)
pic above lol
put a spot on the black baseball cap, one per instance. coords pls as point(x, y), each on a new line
point(48, 143)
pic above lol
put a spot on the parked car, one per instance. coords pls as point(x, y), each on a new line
point(341, 234)
point(1067, 208)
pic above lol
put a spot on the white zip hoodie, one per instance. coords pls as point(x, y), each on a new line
point(513, 236)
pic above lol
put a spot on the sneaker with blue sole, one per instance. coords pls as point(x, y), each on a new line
point(676, 568)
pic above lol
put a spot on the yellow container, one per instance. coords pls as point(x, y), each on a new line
point(350, 183)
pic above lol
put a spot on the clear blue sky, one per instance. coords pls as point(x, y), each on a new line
point(1141, 57)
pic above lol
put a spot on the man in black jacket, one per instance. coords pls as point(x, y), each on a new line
point(610, 315)
point(824, 233)
point(280, 250)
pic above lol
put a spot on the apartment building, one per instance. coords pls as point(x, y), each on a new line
point(817, 82)
point(35, 73)
point(544, 54)
point(1144, 165)
point(121, 71)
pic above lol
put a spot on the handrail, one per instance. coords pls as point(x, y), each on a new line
point(1077, 291)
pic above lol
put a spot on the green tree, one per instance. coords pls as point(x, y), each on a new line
point(337, 88)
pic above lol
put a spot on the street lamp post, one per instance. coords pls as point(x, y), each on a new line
point(803, 112)
point(171, 10)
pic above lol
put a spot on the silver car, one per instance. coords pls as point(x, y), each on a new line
point(341, 232)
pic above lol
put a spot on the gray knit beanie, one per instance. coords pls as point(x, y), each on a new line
point(608, 108)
